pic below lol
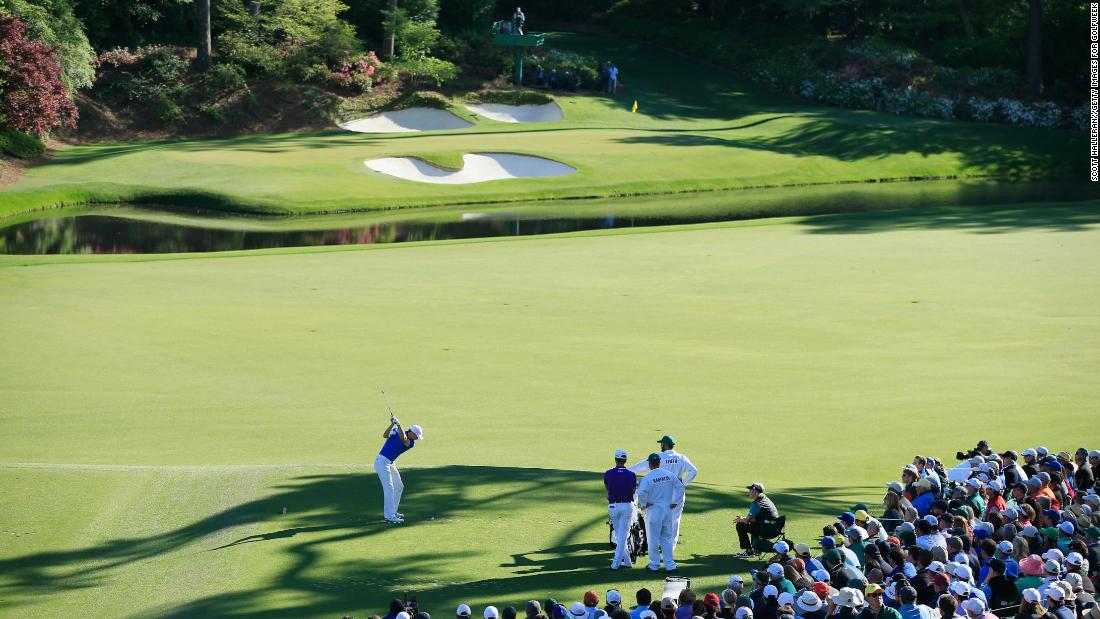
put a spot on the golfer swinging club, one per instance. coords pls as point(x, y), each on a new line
point(398, 441)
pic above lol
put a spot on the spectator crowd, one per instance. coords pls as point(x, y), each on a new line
point(1017, 533)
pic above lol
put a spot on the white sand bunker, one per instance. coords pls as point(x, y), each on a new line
point(545, 113)
point(412, 119)
point(476, 168)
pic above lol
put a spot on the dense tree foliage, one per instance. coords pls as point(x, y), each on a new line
point(53, 22)
point(33, 99)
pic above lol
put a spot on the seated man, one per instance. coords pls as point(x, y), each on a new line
point(760, 509)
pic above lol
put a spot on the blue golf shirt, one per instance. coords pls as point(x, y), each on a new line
point(394, 446)
point(620, 483)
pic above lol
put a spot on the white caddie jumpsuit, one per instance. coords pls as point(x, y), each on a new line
point(657, 493)
point(679, 465)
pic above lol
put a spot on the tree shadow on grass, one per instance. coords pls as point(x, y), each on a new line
point(1066, 217)
point(982, 148)
point(332, 509)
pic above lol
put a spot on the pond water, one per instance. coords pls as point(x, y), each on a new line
point(128, 230)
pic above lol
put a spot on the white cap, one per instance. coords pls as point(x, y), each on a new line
point(785, 599)
point(820, 575)
point(613, 595)
point(935, 566)
point(775, 569)
point(419, 432)
point(896, 486)
point(1053, 555)
point(1066, 527)
point(1005, 547)
point(974, 483)
point(1094, 453)
point(1074, 558)
point(909, 570)
point(1052, 567)
point(995, 485)
point(974, 606)
point(1031, 595)
point(1042, 451)
point(1056, 593)
point(781, 547)
point(647, 614)
point(963, 573)
point(402, 615)
point(932, 520)
point(577, 610)
point(1029, 452)
point(463, 610)
point(490, 611)
point(857, 532)
point(743, 613)
point(770, 591)
point(960, 588)
point(735, 579)
point(620, 454)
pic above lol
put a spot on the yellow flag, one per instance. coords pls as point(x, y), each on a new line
point(635, 108)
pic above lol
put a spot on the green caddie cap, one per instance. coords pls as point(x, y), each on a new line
point(654, 458)
point(667, 440)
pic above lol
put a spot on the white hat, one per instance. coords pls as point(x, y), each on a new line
point(490, 611)
point(1005, 546)
point(960, 588)
point(781, 547)
point(808, 601)
point(974, 606)
point(647, 614)
point(620, 454)
point(770, 591)
point(613, 596)
point(785, 599)
point(1056, 593)
point(1076, 582)
point(419, 432)
point(1094, 454)
point(577, 610)
point(1066, 527)
point(743, 613)
point(1029, 452)
point(932, 520)
point(1092, 498)
point(463, 610)
point(935, 566)
point(402, 615)
point(820, 575)
point(1052, 567)
point(976, 461)
point(858, 532)
point(896, 486)
point(974, 483)
point(1074, 558)
point(1031, 595)
point(775, 569)
point(963, 572)
point(996, 486)
point(736, 578)
point(1042, 451)
point(846, 597)
point(1054, 555)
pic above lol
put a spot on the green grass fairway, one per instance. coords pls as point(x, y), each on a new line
point(696, 129)
point(157, 414)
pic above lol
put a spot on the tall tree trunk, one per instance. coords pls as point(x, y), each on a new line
point(1035, 46)
point(964, 15)
point(391, 24)
point(202, 16)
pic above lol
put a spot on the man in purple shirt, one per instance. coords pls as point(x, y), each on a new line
point(621, 483)
point(398, 441)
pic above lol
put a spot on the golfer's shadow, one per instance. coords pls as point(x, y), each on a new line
point(285, 533)
point(566, 558)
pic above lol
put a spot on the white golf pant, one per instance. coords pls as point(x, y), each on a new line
point(677, 512)
point(392, 486)
point(622, 516)
point(659, 528)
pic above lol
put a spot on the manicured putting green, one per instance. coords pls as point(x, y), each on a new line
point(159, 413)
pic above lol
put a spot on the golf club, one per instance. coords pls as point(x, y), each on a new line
point(393, 418)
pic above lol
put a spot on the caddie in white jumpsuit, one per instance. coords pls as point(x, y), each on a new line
point(659, 493)
point(677, 464)
point(620, 483)
point(398, 441)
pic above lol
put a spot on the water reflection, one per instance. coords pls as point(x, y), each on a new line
point(127, 230)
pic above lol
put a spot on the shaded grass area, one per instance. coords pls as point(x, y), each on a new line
point(696, 130)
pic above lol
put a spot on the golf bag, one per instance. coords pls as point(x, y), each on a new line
point(636, 541)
